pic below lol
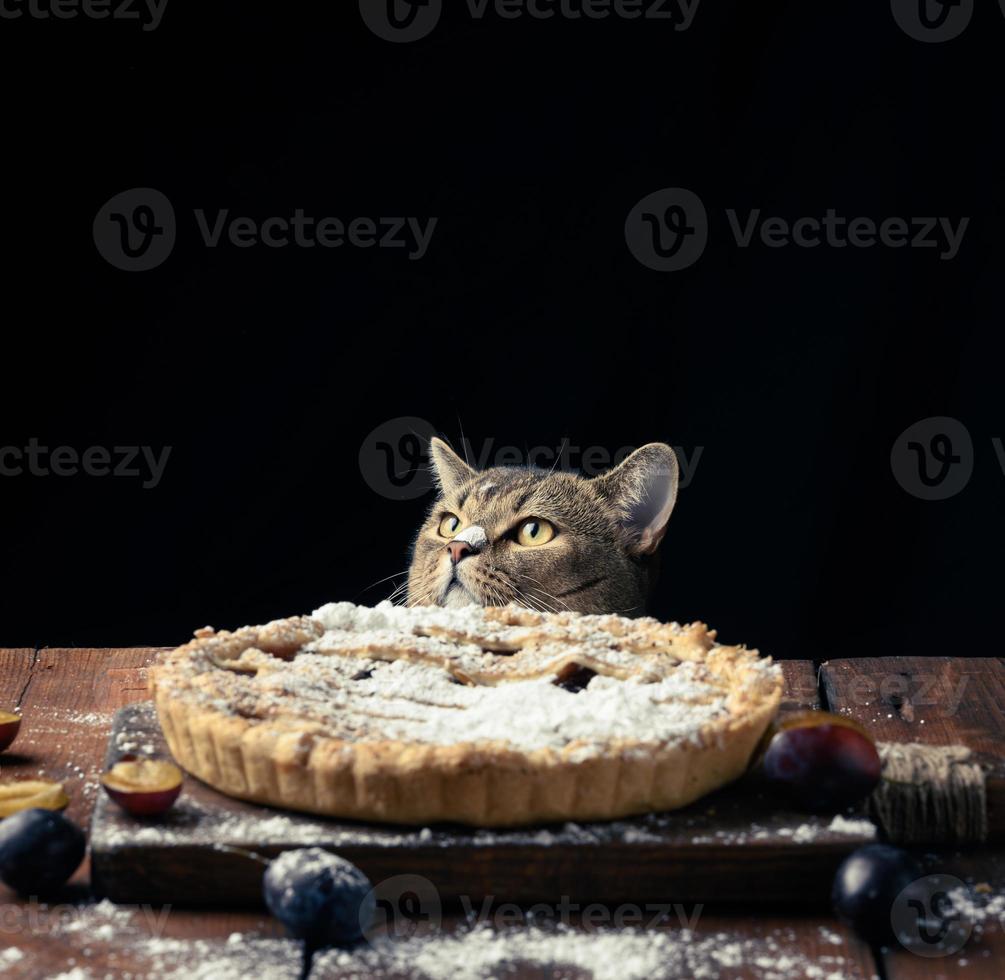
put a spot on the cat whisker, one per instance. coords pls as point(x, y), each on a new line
point(537, 588)
point(422, 598)
point(493, 594)
point(464, 442)
point(380, 581)
point(533, 601)
point(561, 449)
point(399, 591)
point(551, 607)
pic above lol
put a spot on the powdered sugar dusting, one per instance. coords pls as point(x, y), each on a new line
point(853, 826)
point(313, 862)
point(468, 675)
point(477, 952)
point(624, 954)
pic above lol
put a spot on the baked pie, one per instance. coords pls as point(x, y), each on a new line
point(482, 716)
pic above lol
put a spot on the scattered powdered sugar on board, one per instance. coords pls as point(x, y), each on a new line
point(805, 833)
point(853, 826)
point(809, 831)
point(478, 952)
point(104, 920)
point(10, 956)
point(979, 905)
point(625, 954)
point(71, 716)
point(240, 959)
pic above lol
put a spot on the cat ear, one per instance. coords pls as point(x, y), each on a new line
point(450, 470)
point(643, 489)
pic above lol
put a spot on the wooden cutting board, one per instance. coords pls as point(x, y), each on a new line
point(735, 845)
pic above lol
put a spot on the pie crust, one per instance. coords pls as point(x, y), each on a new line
point(488, 717)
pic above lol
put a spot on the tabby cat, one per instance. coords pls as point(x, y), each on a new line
point(546, 540)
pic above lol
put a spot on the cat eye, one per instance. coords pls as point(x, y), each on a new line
point(534, 532)
point(449, 526)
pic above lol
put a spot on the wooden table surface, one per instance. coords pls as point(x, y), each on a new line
point(68, 697)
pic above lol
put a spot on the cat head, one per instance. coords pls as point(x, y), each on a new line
point(547, 540)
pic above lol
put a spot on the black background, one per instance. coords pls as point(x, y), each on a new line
point(528, 322)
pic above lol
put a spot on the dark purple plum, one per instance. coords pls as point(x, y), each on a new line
point(866, 885)
point(320, 897)
point(39, 850)
point(824, 763)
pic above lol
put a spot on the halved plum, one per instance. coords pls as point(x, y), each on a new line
point(143, 787)
point(9, 726)
point(31, 794)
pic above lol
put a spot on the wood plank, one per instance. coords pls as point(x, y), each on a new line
point(935, 700)
point(802, 691)
point(15, 674)
point(932, 700)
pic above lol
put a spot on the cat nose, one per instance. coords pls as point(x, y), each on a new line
point(469, 542)
point(458, 549)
